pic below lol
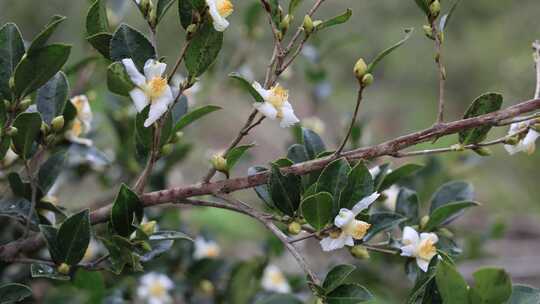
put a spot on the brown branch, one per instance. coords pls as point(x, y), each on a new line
point(437, 35)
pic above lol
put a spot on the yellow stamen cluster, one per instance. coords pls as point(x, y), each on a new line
point(157, 290)
point(78, 102)
point(277, 98)
point(156, 86)
point(357, 229)
point(277, 278)
point(225, 8)
point(427, 250)
point(212, 252)
point(77, 127)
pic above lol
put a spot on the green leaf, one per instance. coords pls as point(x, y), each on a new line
point(244, 281)
point(118, 80)
point(203, 49)
point(313, 143)
point(337, 276)
point(359, 185)
point(127, 206)
point(293, 5)
point(382, 221)
point(128, 42)
point(297, 153)
point(388, 51)
point(93, 283)
point(484, 104)
point(37, 68)
point(279, 299)
point(28, 126)
point(50, 233)
point(5, 142)
point(523, 294)
point(48, 272)
point(101, 42)
point(445, 214)
point(19, 187)
point(144, 135)
point(14, 293)
point(333, 179)
point(396, 175)
point(246, 85)
point(51, 98)
point(164, 235)
point(41, 39)
point(491, 286)
point(454, 191)
point(186, 9)
point(194, 115)
point(262, 191)
point(407, 204)
point(423, 4)
point(162, 8)
point(317, 209)
point(234, 155)
point(285, 191)
point(451, 285)
point(96, 18)
point(445, 19)
point(349, 294)
point(50, 170)
point(11, 52)
point(73, 237)
point(158, 248)
point(336, 20)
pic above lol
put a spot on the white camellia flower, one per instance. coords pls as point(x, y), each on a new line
point(151, 88)
point(273, 280)
point(420, 246)
point(351, 228)
point(391, 195)
point(154, 288)
point(527, 143)
point(219, 10)
point(190, 93)
point(276, 104)
point(205, 249)
point(83, 121)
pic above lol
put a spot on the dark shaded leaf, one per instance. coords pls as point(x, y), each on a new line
point(50, 170)
point(128, 42)
point(317, 209)
point(11, 52)
point(41, 39)
point(285, 191)
point(359, 185)
point(445, 214)
point(164, 235)
point(203, 49)
point(454, 191)
point(337, 276)
point(194, 116)
point(484, 104)
point(51, 98)
point(50, 233)
point(313, 143)
point(333, 179)
point(382, 221)
point(118, 80)
point(126, 208)
point(101, 42)
point(28, 126)
point(244, 281)
point(262, 191)
point(407, 204)
point(297, 153)
point(14, 293)
point(246, 85)
point(73, 237)
point(349, 294)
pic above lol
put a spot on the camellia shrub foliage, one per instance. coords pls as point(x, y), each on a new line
point(348, 197)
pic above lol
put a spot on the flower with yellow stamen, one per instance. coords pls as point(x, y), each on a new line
point(219, 10)
point(150, 89)
point(276, 104)
point(83, 121)
point(420, 246)
point(350, 228)
point(154, 288)
point(273, 280)
point(205, 249)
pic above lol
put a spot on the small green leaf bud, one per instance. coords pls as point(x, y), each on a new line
point(295, 228)
point(308, 25)
point(166, 150)
point(192, 28)
point(207, 287)
point(57, 123)
point(446, 232)
point(360, 69)
point(367, 80)
point(359, 252)
point(23, 105)
point(428, 31)
point(176, 137)
point(316, 23)
point(423, 221)
point(149, 228)
point(285, 23)
point(44, 128)
point(482, 151)
point(219, 163)
point(435, 9)
point(12, 131)
point(63, 268)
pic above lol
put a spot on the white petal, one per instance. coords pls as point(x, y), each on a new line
point(375, 171)
point(423, 264)
point(136, 77)
point(265, 94)
point(154, 68)
point(410, 236)
point(530, 141)
point(344, 217)
point(159, 107)
point(409, 250)
point(513, 149)
point(78, 140)
point(289, 119)
point(140, 99)
point(329, 244)
point(365, 203)
point(429, 236)
point(220, 23)
point(266, 109)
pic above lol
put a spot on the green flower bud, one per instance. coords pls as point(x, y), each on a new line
point(63, 268)
point(219, 163)
point(285, 23)
point(308, 24)
point(295, 228)
point(360, 69)
point(435, 9)
point(12, 131)
point(44, 128)
point(207, 287)
point(359, 252)
point(23, 105)
point(428, 31)
point(423, 221)
point(149, 228)
point(482, 151)
point(166, 150)
point(57, 123)
point(367, 80)
point(513, 140)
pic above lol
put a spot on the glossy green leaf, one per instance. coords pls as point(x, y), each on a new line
point(126, 208)
point(48, 272)
point(313, 143)
point(337, 276)
point(388, 51)
point(234, 155)
point(203, 49)
point(37, 68)
point(43, 37)
point(246, 85)
point(96, 18)
point(523, 294)
point(333, 179)
point(18, 186)
point(451, 284)
point(297, 153)
point(336, 20)
point(14, 293)
point(382, 221)
point(28, 126)
point(262, 191)
point(317, 209)
point(128, 42)
point(51, 98)
point(349, 294)
point(359, 185)
point(491, 286)
point(118, 80)
point(244, 281)
point(11, 52)
point(484, 104)
point(92, 283)
point(73, 237)
point(194, 115)
point(50, 233)
point(164, 235)
point(285, 191)
point(50, 170)
point(396, 175)
point(454, 191)
point(445, 214)
point(408, 205)
point(187, 9)
point(101, 42)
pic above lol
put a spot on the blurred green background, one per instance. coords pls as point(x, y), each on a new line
point(487, 48)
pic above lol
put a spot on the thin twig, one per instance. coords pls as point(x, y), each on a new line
point(536, 48)
point(353, 121)
point(442, 71)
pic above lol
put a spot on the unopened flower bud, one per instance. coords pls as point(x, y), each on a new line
point(428, 30)
point(295, 228)
point(360, 69)
point(166, 150)
point(11, 131)
point(207, 287)
point(308, 24)
point(482, 151)
point(23, 105)
point(177, 137)
point(149, 228)
point(423, 221)
point(44, 128)
point(513, 140)
point(367, 80)
point(285, 23)
point(219, 163)
point(57, 123)
point(359, 252)
point(435, 9)
point(63, 268)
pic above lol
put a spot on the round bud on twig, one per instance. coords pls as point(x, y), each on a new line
point(435, 9)
point(360, 69)
point(57, 123)
point(63, 268)
point(308, 25)
point(367, 80)
point(295, 228)
point(359, 252)
point(219, 163)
